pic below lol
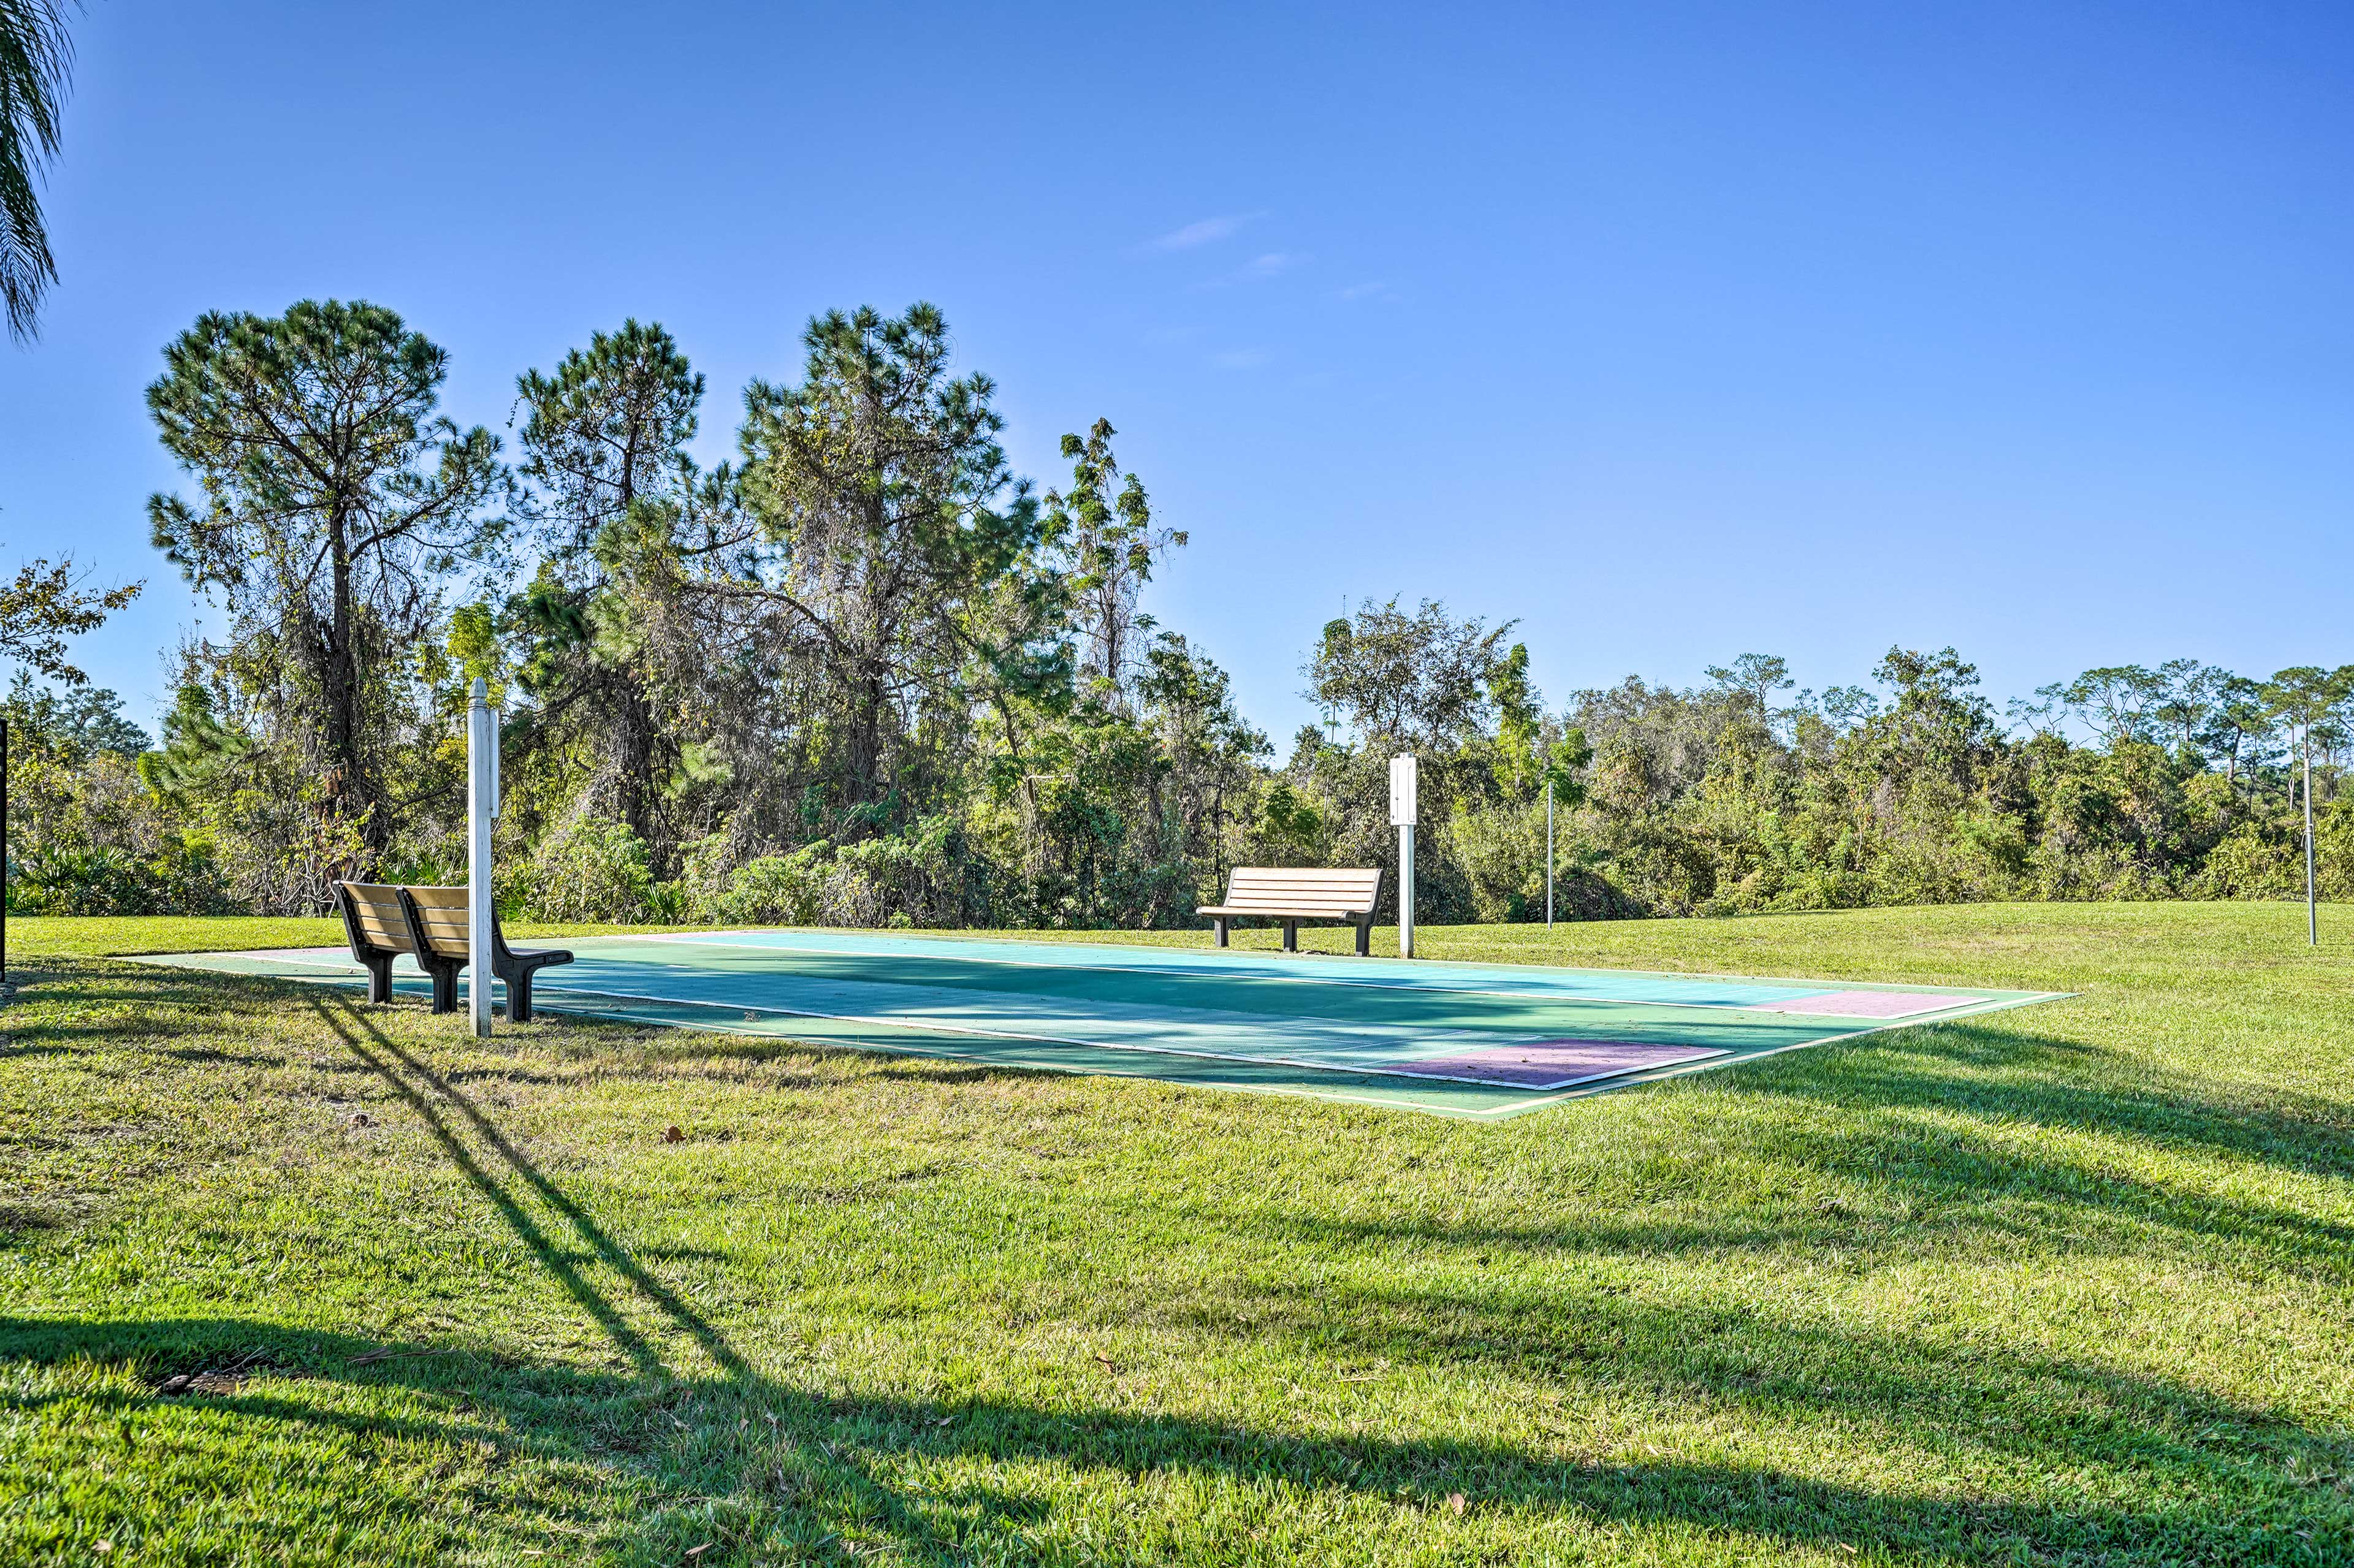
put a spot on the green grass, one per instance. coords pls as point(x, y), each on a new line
point(2067, 1285)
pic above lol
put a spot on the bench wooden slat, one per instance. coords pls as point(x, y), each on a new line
point(376, 907)
point(1334, 900)
point(1303, 911)
point(1279, 877)
point(442, 912)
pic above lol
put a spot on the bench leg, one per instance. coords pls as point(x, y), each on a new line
point(379, 968)
point(445, 988)
point(1291, 935)
point(1219, 923)
point(1364, 938)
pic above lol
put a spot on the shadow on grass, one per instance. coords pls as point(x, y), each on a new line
point(1973, 1130)
point(1920, 1110)
point(753, 1466)
point(692, 1442)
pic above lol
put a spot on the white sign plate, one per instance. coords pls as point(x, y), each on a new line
point(1401, 782)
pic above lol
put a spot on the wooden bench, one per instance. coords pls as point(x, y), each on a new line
point(1293, 894)
point(429, 925)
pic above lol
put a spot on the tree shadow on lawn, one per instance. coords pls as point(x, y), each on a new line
point(1916, 1113)
point(1992, 1063)
point(693, 1443)
point(1949, 1138)
point(665, 1463)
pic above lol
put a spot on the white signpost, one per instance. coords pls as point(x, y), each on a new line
point(482, 810)
point(1401, 804)
point(1548, 852)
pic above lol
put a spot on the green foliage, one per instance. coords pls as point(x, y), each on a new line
point(604, 442)
point(72, 726)
point(86, 836)
point(880, 483)
point(473, 645)
point(591, 869)
point(48, 602)
point(1289, 825)
point(868, 678)
point(1422, 680)
point(336, 505)
point(1107, 545)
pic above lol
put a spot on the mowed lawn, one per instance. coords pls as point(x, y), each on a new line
point(285, 1279)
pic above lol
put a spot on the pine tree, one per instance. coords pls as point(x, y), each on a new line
point(335, 502)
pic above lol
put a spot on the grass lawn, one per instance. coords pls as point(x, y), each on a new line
point(284, 1279)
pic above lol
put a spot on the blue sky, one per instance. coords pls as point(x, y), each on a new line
point(1675, 331)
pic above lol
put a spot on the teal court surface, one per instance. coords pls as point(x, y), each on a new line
point(1484, 1040)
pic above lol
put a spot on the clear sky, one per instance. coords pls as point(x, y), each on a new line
point(1674, 330)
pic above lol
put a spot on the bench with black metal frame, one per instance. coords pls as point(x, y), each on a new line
point(429, 925)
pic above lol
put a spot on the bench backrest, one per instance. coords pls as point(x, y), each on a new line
point(376, 914)
point(1331, 893)
point(442, 911)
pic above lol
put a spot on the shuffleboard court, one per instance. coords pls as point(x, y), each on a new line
point(1469, 1039)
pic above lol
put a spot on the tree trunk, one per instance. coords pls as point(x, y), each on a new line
point(351, 791)
point(866, 737)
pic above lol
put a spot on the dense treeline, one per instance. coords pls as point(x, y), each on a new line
point(866, 674)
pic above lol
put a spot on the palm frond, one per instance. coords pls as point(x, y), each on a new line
point(36, 63)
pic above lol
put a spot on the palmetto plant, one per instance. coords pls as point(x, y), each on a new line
point(34, 60)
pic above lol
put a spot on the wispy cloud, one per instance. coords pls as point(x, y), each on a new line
point(1240, 359)
point(1258, 270)
point(1209, 231)
point(1373, 291)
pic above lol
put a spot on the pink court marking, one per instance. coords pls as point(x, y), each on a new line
point(1551, 1064)
point(1865, 1004)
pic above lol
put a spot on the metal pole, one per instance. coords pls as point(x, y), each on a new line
point(482, 803)
point(1548, 855)
point(1404, 809)
point(1405, 890)
point(2312, 917)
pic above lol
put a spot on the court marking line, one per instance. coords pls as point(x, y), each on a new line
point(1368, 983)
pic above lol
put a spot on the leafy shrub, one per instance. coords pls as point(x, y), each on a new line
point(593, 869)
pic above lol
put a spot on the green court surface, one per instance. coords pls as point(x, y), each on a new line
point(1484, 1040)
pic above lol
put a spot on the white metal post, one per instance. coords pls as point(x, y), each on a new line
point(482, 806)
point(1405, 890)
point(1548, 855)
point(1402, 815)
point(2312, 917)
